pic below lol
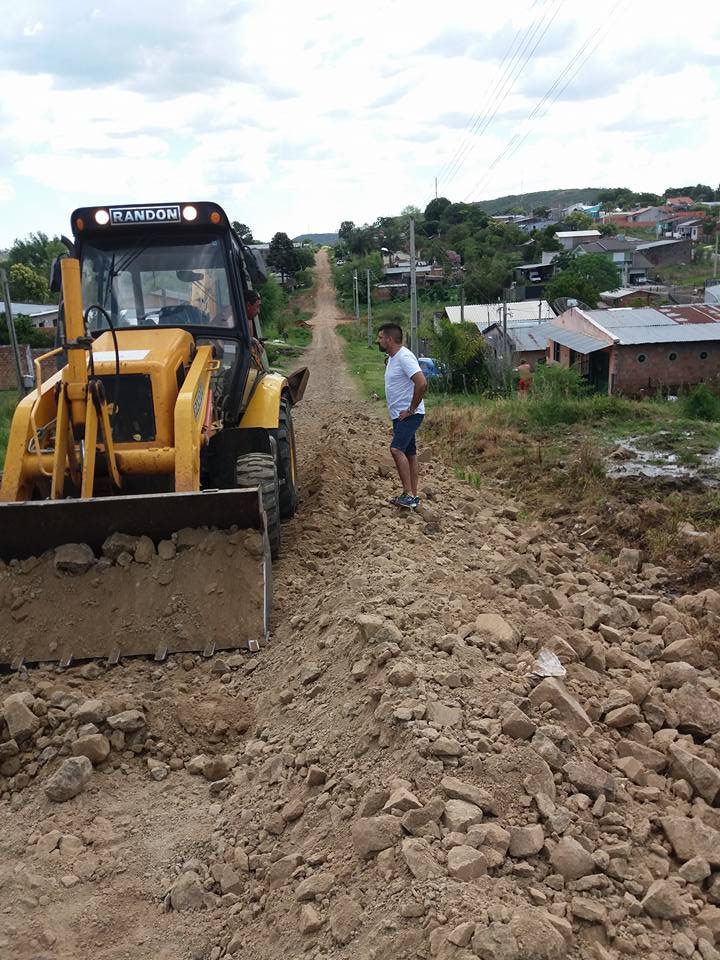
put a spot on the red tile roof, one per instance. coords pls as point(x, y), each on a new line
point(691, 312)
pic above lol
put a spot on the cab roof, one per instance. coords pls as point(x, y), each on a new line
point(149, 217)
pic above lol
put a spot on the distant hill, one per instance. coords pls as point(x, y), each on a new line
point(541, 198)
point(319, 238)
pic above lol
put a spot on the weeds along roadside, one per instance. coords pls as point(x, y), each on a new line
point(550, 452)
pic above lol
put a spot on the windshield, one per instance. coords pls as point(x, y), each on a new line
point(146, 285)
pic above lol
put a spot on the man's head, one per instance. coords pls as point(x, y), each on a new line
point(389, 338)
point(252, 302)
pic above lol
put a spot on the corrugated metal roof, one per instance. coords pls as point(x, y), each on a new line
point(579, 342)
point(564, 234)
point(658, 243)
point(671, 333)
point(30, 309)
point(484, 314)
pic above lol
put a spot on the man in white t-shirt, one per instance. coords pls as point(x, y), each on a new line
point(405, 386)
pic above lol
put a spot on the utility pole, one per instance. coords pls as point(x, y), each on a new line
point(356, 295)
point(11, 331)
point(715, 262)
point(413, 292)
point(369, 312)
point(436, 188)
point(462, 303)
point(506, 358)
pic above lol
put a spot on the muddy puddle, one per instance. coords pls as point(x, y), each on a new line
point(635, 457)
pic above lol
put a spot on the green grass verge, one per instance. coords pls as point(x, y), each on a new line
point(367, 365)
point(8, 402)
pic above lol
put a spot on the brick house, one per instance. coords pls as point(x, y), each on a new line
point(639, 351)
point(661, 253)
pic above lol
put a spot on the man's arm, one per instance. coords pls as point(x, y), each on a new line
point(419, 388)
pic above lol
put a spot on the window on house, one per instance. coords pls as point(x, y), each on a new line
point(672, 356)
point(703, 355)
point(641, 358)
point(556, 352)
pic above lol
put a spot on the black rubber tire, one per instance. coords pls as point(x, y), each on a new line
point(287, 463)
point(259, 470)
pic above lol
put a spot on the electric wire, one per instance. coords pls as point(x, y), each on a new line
point(549, 98)
point(517, 69)
point(447, 165)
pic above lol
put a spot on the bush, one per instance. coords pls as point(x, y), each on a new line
point(701, 404)
point(557, 383)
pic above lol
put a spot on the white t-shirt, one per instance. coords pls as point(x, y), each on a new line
point(399, 387)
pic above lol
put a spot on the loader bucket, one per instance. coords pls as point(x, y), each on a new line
point(213, 594)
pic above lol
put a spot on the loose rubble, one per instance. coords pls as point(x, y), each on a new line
point(387, 778)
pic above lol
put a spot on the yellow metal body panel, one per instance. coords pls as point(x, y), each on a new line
point(158, 354)
point(264, 407)
point(190, 411)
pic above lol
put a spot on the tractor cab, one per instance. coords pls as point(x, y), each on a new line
point(145, 268)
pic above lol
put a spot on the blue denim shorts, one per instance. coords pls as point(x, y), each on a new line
point(403, 437)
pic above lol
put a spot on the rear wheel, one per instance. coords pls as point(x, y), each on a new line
point(259, 470)
point(287, 463)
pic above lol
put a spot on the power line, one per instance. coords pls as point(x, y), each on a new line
point(474, 117)
point(516, 141)
point(506, 76)
point(516, 69)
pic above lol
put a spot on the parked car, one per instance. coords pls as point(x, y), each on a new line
point(430, 367)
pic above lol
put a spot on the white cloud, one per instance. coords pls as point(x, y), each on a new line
point(296, 117)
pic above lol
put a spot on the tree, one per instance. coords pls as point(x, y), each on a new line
point(282, 256)
point(26, 332)
point(598, 270)
point(577, 220)
point(435, 209)
point(569, 284)
point(461, 349)
point(27, 285)
point(37, 251)
point(243, 231)
point(542, 212)
point(346, 230)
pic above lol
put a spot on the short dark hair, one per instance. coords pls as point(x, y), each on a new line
point(393, 330)
point(252, 296)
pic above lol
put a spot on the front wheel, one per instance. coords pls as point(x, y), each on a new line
point(259, 470)
point(287, 463)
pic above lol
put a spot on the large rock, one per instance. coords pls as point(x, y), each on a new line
point(459, 815)
point(697, 714)
point(704, 777)
point(526, 841)
point(664, 902)
point(420, 860)
point(69, 779)
point(375, 629)
point(282, 870)
point(495, 942)
point(492, 840)
point(571, 859)
point(466, 863)
point(128, 721)
point(552, 690)
point(372, 834)
point(345, 918)
point(22, 722)
point(187, 892)
point(318, 885)
point(94, 746)
point(74, 558)
point(536, 936)
point(515, 723)
point(496, 627)
point(588, 778)
point(456, 789)
point(118, 543)
point(691, 838)
point(91, 711)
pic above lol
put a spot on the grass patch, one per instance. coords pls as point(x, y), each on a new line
point(8, 402)
point(367, 365)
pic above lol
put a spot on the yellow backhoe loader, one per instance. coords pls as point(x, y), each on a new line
point(164, 416)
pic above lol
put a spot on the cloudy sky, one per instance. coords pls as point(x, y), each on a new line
point(296, 116)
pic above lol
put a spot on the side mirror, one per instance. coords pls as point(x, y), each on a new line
point(56, 275)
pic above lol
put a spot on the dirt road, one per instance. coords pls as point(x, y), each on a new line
point(384, 780)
